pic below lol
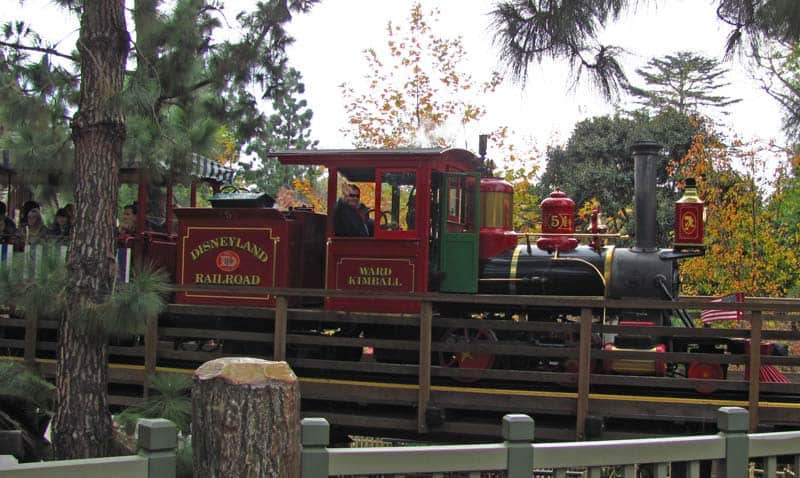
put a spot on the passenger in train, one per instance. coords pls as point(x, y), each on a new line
point(9, 228)
point(34, 232)
point(70, 209)
point(346, 219)
point(26, 208)
point(128, 224)
point(61, 228)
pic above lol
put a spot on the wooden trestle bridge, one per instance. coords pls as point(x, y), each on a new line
point(358, 392)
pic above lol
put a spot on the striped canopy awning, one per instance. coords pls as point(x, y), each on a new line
point(206, 168)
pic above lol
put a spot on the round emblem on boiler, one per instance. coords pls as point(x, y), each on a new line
point(228, 261)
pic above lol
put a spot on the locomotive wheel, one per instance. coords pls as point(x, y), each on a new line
point(467, 360)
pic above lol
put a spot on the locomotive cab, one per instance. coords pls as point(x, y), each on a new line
point(424, 203)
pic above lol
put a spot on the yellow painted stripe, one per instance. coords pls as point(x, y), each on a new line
point(685, 401)
point(116, 366)
point(185, 371)
point(488, 391)
point(356, 383)
point(503, 391)
point(550, 394)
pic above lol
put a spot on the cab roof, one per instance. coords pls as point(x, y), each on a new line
point(360, 164)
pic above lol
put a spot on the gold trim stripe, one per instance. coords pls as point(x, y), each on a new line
point(609, 259)
point(512, 270)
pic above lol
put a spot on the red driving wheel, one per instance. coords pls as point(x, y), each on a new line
point(468, 360)
point(705, 371)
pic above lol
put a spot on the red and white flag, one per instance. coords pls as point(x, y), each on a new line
point(714, 315)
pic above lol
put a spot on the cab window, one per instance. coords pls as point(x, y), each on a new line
point(460, 207)
point(397, 202)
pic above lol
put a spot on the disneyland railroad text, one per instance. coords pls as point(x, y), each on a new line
point(229, 241)
point(227, 279)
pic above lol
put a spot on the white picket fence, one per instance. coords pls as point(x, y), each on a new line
point(31, 255)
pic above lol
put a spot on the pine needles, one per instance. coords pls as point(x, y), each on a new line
point(37, 285)
point(19, 382)
point(171, 401)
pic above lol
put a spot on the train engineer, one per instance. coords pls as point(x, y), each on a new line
point(347, 219)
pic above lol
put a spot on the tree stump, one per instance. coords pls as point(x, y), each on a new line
point(245, 419)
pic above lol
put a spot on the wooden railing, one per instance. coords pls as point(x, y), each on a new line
point(282, 334)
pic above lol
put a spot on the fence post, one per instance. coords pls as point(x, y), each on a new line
point(584, 369)
point(733, 423)
point(158, 441)
point(424, 371)
point(755, 368)
point(281, 324)
point(11, 443)
point(518, 435)
point(315, 435)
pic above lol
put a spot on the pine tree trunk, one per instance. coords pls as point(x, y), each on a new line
point(245, 419)
point(82, 424)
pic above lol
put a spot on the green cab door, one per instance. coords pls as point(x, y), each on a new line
point(459, 225)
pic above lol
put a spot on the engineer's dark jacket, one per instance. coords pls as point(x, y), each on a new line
point(347, 221)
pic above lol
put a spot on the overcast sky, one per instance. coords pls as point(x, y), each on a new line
point(330, 40)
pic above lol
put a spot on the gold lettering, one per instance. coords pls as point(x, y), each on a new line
point(227, 279)
point(229, 241)
point(374, 277)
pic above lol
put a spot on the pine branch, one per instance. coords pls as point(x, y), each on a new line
point(49, 51)
point(167, 98)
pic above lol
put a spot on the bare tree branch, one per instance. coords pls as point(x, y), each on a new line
point(48, 51)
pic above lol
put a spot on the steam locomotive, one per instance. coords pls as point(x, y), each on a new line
point(455, 237)
point(441, 225)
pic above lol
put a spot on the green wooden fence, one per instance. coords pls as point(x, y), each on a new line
point(158, 439)
point(732, 449)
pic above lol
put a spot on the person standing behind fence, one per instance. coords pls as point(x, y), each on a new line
point(26, 208)
point(34, 231)
point(128, 224)
point(70, 210)
point(61, 228)
point(9, 228)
